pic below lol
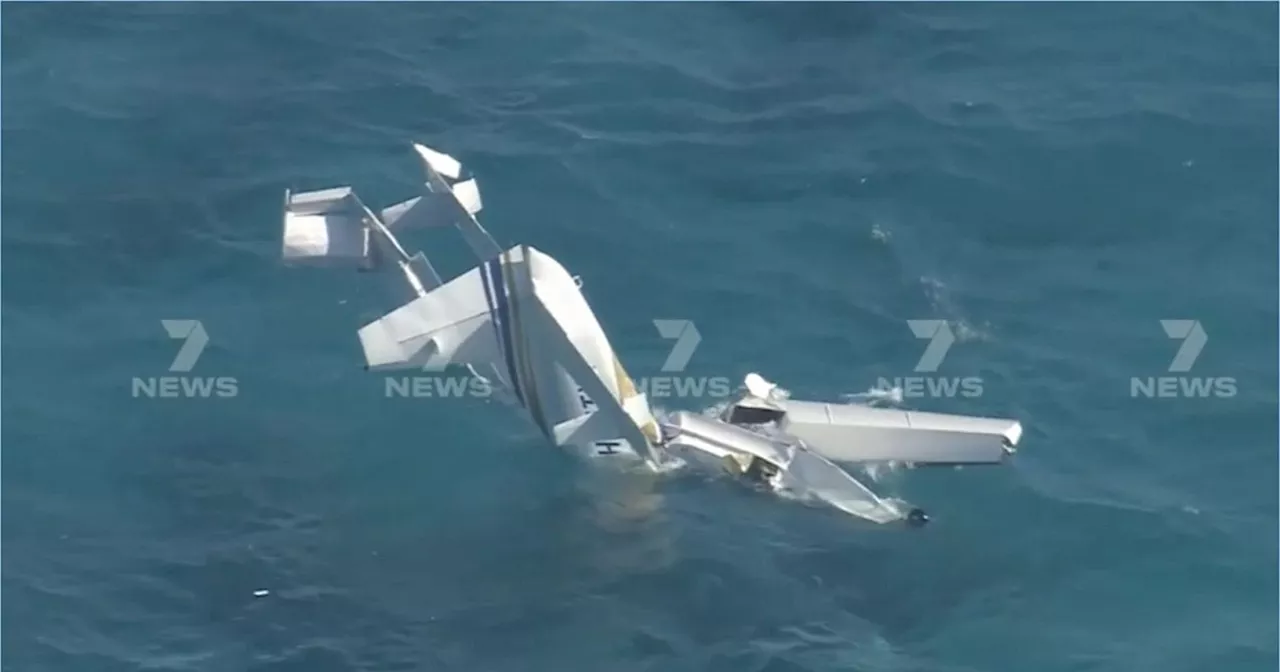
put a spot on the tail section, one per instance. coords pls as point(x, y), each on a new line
point(449, 201)
point(326, 228)
point(518, 319)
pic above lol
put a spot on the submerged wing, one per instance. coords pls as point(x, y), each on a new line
point(811, 473)
point(802, 472)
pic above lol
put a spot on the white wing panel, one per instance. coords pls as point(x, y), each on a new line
point(852, 433)
point(324, 227)
point(439, 161)
point(452, 324)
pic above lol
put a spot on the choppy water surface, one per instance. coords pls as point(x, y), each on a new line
point(798, 179)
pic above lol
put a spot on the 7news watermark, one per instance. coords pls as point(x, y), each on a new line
point(686, 337)
point(941, 337)
point(435, 385)
point(1194, 338)
point(194, 339)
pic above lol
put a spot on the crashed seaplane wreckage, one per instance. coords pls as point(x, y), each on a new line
point(519, 320)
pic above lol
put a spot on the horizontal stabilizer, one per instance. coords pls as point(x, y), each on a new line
point(325, 227)
point(319, 201)
point(453, 208)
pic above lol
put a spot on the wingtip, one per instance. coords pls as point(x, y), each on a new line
point(439, 161)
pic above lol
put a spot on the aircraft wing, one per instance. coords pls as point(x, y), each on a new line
point(853, 433)
point(810, 472)
point(802, 471)
point(451, 324)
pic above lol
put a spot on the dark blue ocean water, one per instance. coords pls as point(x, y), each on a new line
point(800, 180)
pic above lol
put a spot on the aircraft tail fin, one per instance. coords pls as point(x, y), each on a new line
point(332, 227)
point(326, 228)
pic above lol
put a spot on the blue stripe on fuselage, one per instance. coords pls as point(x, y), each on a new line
point(520, 350)
point(496, 293)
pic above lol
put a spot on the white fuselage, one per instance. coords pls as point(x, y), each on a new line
point(520, 320)
point(541, 386)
